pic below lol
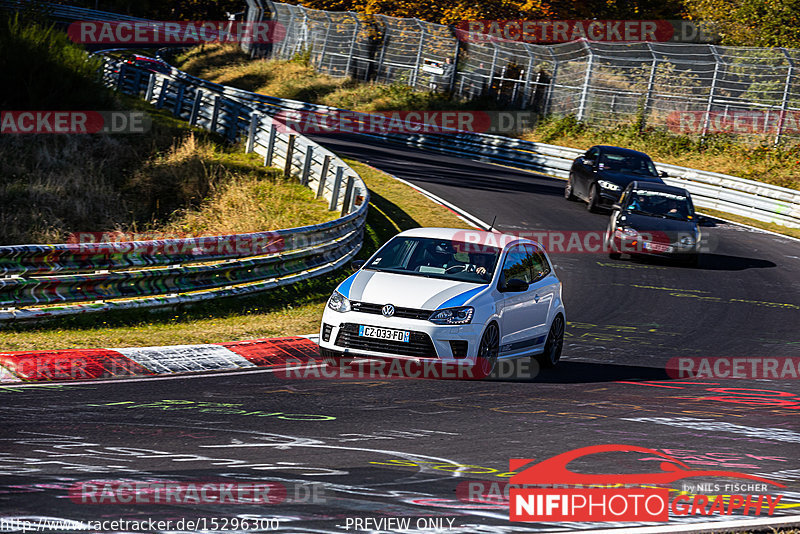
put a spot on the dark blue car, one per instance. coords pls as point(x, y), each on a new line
point(599, 176)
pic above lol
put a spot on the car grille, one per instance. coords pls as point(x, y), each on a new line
point(403, 313)
point(419, 343)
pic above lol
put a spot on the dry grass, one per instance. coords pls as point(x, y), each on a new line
point(171, 180)
point(291, 311)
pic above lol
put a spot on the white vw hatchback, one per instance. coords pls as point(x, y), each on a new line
point(454, 296)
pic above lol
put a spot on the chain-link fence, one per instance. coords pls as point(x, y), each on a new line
point(691, 88)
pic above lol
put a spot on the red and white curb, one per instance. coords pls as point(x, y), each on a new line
point(88, 364)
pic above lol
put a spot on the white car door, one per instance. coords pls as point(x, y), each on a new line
point(517, 306)
point(543, 286)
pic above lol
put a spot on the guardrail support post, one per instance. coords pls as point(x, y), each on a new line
point(255, 118)
point(198, 98)
point(214, 115)
point(120, 77)
point(326, 163)
point(336, 186)
point(162, 93)
point(176, 111)
point(273, 132)
point(348, 196)
point(307, 165)
point(287, 169)
point(151, 84)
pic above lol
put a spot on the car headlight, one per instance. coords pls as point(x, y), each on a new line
point(339, 302)
point(627, 232)
point(688, 241)
point(611, 186)
point(462, 315)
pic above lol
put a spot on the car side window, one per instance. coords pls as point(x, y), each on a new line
point(516, 266)
point(592, 154)
point(537, 263)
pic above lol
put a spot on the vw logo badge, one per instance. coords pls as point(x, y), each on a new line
point(388, 310)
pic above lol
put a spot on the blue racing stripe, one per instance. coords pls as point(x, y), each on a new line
point(459, 300)
point(344, 287)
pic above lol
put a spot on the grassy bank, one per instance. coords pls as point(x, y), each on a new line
point(289, 311)
point(170, 179)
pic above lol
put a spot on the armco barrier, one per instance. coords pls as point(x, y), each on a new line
point(148, 274)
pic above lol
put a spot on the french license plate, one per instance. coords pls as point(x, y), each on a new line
point(658, 247)
point(383, 333)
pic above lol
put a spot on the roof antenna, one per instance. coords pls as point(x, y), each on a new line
point(491, 226)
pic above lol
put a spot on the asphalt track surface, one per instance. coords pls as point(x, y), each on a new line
point(347, 450)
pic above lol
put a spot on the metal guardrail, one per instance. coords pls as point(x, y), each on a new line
point(164, 273)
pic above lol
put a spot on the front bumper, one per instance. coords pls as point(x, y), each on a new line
point(427, 341)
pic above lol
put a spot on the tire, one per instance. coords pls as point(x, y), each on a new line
point(569, 192)
point(554, 344)
point(488, 351)
point(332, 359)
point(593, 195)
point(609, 245)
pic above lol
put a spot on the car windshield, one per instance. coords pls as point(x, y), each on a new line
point(629, 163)
point(660, 204)
point(437, 258)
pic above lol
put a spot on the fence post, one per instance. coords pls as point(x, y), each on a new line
point(710, 103)
point(785, 100)
point(551, 87)
point(255, 118)
point(326, 163)
point(526, 89)
point(419, 52)
point(273, 132)
point(352, 43)
point(383, 46)
point(650, 85)
point(491, 69)
point(198, 98)
point(348, 194)
point(325, 43)
point(452, 83)
point(151, 83)
point(289, 30)
point(336, 186)
point(287, 169)
point(307, 165)
point(214, 114)
point(586, 80)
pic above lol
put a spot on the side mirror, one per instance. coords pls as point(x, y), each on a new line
point(515, 285)
point(357, 264)
point(663, 174)
point(616, 206)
